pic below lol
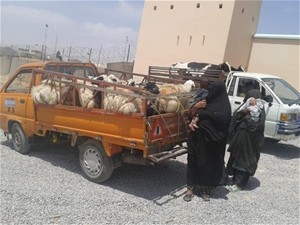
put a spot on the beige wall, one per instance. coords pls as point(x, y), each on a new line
point(187, 33)
point(277, 55)
point(243, 26)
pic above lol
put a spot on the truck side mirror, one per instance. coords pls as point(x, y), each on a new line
point(269, 99)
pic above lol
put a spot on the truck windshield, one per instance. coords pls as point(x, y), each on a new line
point(286, 93)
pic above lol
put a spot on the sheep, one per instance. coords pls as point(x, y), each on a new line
point(87, 98)
point(44, 94)
point(108, 78)
point(130, 82)
point(90, 98)
point(122, 103)
point(174, 103)
point(126, 104)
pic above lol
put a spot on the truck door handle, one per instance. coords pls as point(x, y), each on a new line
point(22, 101)
point(237, 103)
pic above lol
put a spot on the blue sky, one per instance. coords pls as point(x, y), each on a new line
point(108, 23)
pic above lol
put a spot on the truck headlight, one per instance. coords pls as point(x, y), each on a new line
point(284, 117)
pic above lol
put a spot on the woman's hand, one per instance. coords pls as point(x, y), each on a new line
point(193, 125)
point(199, 105)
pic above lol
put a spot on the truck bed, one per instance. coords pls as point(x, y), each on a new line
point(150, 135)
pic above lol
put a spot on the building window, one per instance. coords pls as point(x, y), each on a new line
point(191, 37)
point(203, 39)
point(220, 6)
point(243, 10)
point(198, 5)
point(177, 40)
point(155, 7)
point(171, 6)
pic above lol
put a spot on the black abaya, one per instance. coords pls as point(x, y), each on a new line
point(206, 145)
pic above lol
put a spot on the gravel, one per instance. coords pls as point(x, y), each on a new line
point(47, 187)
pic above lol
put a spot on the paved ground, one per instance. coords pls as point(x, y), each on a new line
point(47, 187)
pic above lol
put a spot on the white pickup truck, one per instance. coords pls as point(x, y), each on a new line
point(283, 101)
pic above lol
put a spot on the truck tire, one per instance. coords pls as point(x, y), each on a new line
point(95, 164)
point(19, 139)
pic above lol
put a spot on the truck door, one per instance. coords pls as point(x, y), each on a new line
point(238, 89)
point(236, 92)
point(14, 98)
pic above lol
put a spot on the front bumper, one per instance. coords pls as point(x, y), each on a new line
point(288, 130)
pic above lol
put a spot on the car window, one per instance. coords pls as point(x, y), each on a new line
point(232, 85)
point(286, 93)
point(246, 84)
point(81, 71)
point(21, 82)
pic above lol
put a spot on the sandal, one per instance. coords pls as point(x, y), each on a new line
point(188, 197)
point(233, 188)
point(205, 197)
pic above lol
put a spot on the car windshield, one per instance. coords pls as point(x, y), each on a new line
point(286, 93)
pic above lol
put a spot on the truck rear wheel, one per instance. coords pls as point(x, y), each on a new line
point(19, 139)
point(95, 164)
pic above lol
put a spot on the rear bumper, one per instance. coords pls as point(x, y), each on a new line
point(163, 156)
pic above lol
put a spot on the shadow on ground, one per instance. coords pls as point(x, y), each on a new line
point(160, 183)
point(280, 149)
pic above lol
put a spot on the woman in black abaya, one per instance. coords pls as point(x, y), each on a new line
point(246, 140)
point(207, 142)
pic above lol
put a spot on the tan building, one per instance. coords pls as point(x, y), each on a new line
point(278, 55)
point(212, 31)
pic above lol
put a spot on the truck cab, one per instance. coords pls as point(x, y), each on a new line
point(15, 95)
point(282, 102)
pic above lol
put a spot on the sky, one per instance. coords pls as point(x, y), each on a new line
point(98, 23)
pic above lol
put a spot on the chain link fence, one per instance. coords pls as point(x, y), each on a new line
point(100, 56)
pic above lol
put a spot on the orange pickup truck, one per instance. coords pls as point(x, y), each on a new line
point(105, 139)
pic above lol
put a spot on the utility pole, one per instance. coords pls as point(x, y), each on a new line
point(128, 52)
point(90, 54)
point(99, 55)
point(44, 47)
point(69, 54)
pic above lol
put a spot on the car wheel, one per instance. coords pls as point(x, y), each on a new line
point(19, 139)
point(95, 164)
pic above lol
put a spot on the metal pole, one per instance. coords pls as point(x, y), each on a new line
point(90, 55)
point(99, 55)
point(55, 38)
point(46, 30)
point(69, 54)
point(128, 52)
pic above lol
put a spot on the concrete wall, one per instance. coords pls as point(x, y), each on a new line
point(277, 55)
point(10, 64)
point(121, 66)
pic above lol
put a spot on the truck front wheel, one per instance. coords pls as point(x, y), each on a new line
point(19, 139)
point(96, 166)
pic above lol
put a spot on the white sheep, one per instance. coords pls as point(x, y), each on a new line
point(122, 103)
point(174, 103)
point(45, 94)
point(87, 98)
